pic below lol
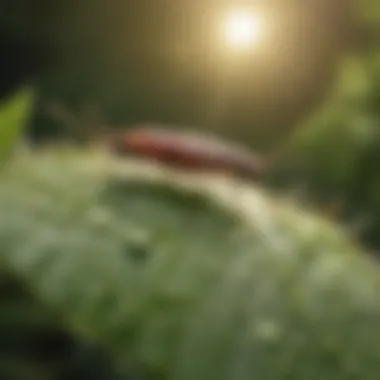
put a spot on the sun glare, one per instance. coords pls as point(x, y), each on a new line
point(242, 29)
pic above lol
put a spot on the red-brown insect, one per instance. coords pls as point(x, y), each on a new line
point(186, 150)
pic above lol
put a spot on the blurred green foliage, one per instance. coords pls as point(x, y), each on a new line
point(179, 279)
point(14, 114)
point(336, 152)
point(336, 155)
point(36, 343)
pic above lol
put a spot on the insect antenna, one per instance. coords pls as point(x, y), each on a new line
point(89, 126)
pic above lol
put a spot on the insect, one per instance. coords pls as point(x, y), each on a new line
point(187, 151)
point(183, 150)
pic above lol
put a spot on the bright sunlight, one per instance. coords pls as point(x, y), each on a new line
point(243, 29)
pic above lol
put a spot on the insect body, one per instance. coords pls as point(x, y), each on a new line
point(182, 150)
point(188, 151)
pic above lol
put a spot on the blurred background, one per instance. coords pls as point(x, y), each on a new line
point(301, 77)
point(251, 70)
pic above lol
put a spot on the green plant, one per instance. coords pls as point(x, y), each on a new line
point(190, 278)
point(14, 113)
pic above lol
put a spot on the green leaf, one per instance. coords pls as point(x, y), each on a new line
point(192, 278)
point(13, 115)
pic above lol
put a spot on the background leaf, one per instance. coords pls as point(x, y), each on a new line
point(14, 113)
